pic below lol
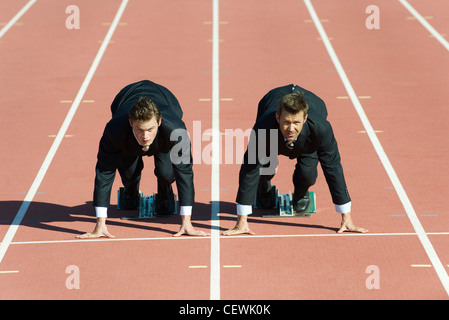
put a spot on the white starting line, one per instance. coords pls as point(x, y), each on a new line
point(247, 237)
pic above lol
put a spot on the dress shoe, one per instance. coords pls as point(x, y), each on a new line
point(300, 204)
point(131, 198)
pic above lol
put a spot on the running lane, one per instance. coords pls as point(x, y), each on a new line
point(43, 66)
point(155, 41)
point(403, 68)
point(272, 45)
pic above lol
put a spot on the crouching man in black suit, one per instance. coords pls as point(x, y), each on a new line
point(291, 121)
point(146, 121)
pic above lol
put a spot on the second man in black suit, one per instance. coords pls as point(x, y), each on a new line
point(291, 121)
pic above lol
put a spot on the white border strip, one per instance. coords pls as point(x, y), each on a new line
point(426, 25)
point(215, 174)
point(439, 268)
point(51, 153)
point(16, 17)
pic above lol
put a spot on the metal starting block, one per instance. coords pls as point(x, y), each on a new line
point(147, 206)
point(284, 203)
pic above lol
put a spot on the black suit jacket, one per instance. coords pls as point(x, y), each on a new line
point(118, 140)
point(316, 136)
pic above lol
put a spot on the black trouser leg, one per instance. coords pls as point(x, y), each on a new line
point(305, 174)
point(266, 197)
point(130, 170)
point(163, 169)
point(265, 179)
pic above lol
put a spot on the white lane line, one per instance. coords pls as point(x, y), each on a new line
point(442, 274)
point(197, 267)
point(62, 131)
point(232, 266)
point(16, 17)
point(215, 168)
point(421, 266)
point(426, 25)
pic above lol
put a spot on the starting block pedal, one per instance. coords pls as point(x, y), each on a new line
point(147, 206)
point(284, 204)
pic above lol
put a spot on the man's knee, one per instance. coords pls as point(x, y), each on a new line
point(165, 174)
point(305, 177)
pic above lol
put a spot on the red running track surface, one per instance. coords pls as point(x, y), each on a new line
point(398, 72)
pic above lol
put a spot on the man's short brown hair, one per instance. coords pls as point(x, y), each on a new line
point(144, 109)
point(293, 103)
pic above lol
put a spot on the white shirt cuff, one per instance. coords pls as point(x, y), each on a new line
point(185, 210)
point(244, 209)
point(101, 212)
point(343, 208)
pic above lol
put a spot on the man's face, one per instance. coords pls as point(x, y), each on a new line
point(291, 124)
point(145, 131)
